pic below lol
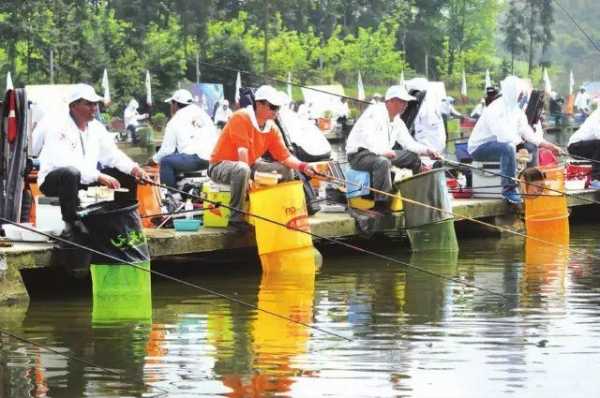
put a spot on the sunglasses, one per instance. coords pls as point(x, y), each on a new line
point(272, 107)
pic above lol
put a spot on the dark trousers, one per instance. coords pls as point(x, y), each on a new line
point(65, 182)
point(589, 149)
point(176, 163)
point(379, 167)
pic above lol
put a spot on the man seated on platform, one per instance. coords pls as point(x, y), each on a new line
point(190, 137)
point(502, 126)
point(372, 139)
point(78, 151)
point(585, 142)
point(248, 135)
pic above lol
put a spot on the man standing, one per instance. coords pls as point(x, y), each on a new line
point(131, 119)
point(501, 127)
point(189, 138)
point(248, 135)
point(370, 143)
point(78, 152)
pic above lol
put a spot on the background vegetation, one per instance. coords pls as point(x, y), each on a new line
point(318, 41)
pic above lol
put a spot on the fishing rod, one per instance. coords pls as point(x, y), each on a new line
point(587, 36)
point(333, 240)
point(578, 157)
point(172, 278)
point(459, 216)
point(533, 184)
point(80, 360)
point(280, 81)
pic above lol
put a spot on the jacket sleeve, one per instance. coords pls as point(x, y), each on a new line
point(527, 132)
point(404, 138)
point(169, 143)
point(111, 156)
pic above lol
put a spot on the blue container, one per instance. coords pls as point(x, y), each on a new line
point(187, 224)
point(357, 183)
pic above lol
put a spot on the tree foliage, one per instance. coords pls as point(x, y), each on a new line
point(318, 41)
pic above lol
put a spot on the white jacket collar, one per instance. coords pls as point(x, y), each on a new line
point(252, 115)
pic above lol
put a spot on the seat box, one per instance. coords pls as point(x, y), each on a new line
point(216, 216)
point(485, 183)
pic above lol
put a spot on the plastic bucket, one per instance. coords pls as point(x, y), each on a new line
point(425, 189)
point(283, 203)
point(301, 261)
point(439, 236)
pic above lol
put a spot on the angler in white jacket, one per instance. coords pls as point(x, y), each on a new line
point(78, 151)
point(502, 126)
point(189, 139)
point(371, 141)
point(585, 142)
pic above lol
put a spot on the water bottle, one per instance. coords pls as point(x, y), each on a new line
point(462, 180)
point(188, 207)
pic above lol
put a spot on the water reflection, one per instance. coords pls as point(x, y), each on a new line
point(414, 334)
point(544, 271)
point(277, 342)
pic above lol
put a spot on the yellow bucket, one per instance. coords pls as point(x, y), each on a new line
point(283, 203)
point(298, 261)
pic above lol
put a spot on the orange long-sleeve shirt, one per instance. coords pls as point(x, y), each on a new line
point(241, 132)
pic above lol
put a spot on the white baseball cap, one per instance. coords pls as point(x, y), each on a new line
point(181, 96)
point(84, 91)
point(399, 92)
point(269, 94)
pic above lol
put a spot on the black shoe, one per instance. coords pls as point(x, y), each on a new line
point(239, 227)
point(382, 207)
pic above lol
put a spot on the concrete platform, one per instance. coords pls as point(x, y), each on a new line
point(164, 243)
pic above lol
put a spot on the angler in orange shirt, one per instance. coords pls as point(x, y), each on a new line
point(248, 135)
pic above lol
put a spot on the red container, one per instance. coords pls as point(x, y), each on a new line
point(579, 171)
point(456, 191)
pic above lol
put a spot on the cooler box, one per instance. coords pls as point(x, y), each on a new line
point(357, 183)
point(579, 171)
point(216, 216)
point(486, 184)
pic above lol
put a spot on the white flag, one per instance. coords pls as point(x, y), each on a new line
point(238, 85)
point(547, 84)
point(360, 94)
point(289, 86)
point(9, 83)
point(402, 82)
point(571, 82)
point(463, 87)
point(106, 87)
point(488, 79)
point(148, 89)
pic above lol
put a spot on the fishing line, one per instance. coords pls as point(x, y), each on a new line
point(80, 360)
point(578, 157)
point(339, 242)
point(544, 187)
point(280, 81)
point(459, 216)
point(174, 279)
point(594, 44)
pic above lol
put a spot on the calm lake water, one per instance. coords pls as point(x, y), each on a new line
point(412, 334)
